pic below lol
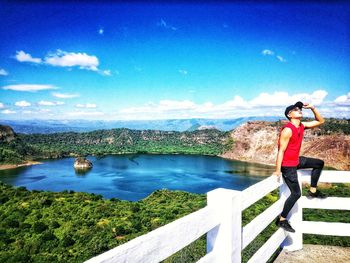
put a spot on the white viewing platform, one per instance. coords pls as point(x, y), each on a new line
point(221, 219)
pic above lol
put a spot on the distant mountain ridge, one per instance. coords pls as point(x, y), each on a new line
point(252, 141)
point(54, 126)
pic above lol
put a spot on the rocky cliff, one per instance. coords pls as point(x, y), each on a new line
point(257, 142)
point(82, 163)
point(6, 134)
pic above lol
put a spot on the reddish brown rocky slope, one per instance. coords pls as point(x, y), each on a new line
point(257, 142)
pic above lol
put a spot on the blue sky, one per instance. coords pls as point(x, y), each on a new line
point(137, 60)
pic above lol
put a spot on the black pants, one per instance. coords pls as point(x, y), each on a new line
point(290, 177)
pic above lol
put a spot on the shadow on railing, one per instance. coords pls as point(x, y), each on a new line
point(221, 219)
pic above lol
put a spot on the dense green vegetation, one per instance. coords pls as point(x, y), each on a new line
point(115, 141)
point(331, 126)
point(17, 151)
point(37, 226)
point(42, 226)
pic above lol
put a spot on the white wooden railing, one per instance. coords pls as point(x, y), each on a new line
point(221, 219)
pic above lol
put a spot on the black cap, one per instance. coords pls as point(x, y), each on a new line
point(299, 104)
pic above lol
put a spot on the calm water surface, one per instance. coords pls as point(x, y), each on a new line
point(133, 177)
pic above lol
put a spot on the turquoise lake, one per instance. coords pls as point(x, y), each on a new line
point(134, 177)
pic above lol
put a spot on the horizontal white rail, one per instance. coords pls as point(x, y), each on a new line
point(259, 190)
point(334, 203)
point(327, 176)
point(258, 224)
point(270, 246)
point(164, 241)
point(326, 228)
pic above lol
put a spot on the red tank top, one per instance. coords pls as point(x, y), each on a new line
point(291, 154)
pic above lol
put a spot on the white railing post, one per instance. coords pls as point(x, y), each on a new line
point(294, 241)
point(224, 242)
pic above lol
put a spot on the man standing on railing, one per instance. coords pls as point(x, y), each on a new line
point(288, 159)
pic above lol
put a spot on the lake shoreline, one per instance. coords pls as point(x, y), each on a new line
point(134, 177)
point(29, 163)
point(13, 166)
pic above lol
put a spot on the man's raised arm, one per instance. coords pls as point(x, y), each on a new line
point(319, 119)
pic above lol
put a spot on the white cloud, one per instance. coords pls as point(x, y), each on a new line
point(237, 102)
point(27, 112)
point(165, 25)
point(8, 112)
point(264, 104)
point(44, 110)
point(85, 113)
point(62, 58)
point(275, 99)
point(87, 105)
point(343, 100)
point(281, 59)
point(205, 107)
point(64, 95)
point(317, 97)
point(2, 105)
point(21, 56)
point(284, 99)
point(176, 105)
point(105, 72)
point(29, 87)
point(50, 103)
point(162, 23)
point(267, 52)
point(22, 103)
point(163, 106)
point(183, 72)
point(3, 72)
point(71, 59)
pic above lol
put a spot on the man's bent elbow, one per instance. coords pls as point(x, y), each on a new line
point(281, 152)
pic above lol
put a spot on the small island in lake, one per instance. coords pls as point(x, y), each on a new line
point(81, 163)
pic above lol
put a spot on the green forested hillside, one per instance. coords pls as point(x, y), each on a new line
point(65, 227)
point(38, 226)
point(115, 141)
point(333, 125)
point(13, 149)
